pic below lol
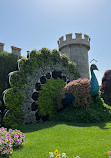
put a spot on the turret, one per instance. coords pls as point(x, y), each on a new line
point(77, 50)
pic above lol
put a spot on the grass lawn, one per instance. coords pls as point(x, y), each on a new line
point(83, 139)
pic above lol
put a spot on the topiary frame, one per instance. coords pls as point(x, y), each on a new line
point(30, 70)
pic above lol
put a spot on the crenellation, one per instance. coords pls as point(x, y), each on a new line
point(77, 40)
point(16, 51)
point(1, 47)
point(78, 36)
point(61, 38)
point(69, 36)
point(86, 37)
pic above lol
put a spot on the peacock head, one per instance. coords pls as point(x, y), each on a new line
point(94, 67)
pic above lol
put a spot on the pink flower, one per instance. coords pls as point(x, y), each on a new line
point(10, 145)
point(16, 136)
point(1, 141)
point(19, 143)
point(109, 152)
point(11, 149)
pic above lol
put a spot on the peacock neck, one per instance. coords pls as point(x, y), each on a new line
point(93, 74)
point(91, 71)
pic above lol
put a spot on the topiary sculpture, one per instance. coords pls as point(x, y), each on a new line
point(94, 89)
point(14, 116)
point(98, 111)
point(106, 87)
point(32, 73)
point(79, 91)
point(47, 99)
point(8, 63)
point(76, 92)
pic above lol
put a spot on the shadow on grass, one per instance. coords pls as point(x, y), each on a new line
point(42, 125)
point(37, 126)
point(100, 125)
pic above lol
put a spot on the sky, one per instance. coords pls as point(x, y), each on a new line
point(34, 24)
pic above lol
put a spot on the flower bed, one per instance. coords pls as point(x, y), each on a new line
point(10, 140)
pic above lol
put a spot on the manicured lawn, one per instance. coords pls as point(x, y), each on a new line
point(82, 139)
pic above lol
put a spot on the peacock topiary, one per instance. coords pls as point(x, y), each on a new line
point(94, 85)
point(79, 91)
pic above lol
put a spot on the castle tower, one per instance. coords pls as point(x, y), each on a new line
point(77, 51)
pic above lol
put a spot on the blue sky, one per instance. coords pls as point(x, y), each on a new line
point(30, 24)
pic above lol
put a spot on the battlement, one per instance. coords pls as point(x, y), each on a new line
point(1, 46)
point(74, 41)
point(15, 50)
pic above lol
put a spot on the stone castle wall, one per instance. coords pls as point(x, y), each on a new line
point(77, 51)
point(15, 50)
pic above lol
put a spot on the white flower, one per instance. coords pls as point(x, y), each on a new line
point(77, 157)
point(51, 154)
point(63, 155)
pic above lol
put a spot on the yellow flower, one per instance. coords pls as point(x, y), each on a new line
point(58, 156)
point(56, 152)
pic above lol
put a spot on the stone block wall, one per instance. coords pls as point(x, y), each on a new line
point(1, 46)
point(77, 51)
point(15, 50)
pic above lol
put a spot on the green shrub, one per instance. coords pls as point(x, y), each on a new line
point(34, 53)
point(56, 55)
point(47, 100)
point(18, 80)
point(8, 63)
point(97, 112)
point(46, 55)
point(13, 119)
point(21, 63)
point(80, 89)
point(13, 102)
point(36, 58)
point(45, 52)
point(65, 59)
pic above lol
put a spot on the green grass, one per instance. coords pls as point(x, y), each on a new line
point(83, 139)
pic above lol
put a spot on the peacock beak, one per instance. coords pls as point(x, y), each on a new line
point(97, 69)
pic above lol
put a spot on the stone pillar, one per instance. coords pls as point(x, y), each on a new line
point(1, 46)
point(16, 51)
